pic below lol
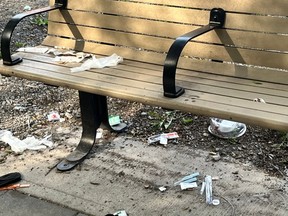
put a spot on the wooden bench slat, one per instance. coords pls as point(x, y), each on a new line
point(200, 17)
point(195, 49)
point(246, 6)
point(157, 58)
point(173, 30)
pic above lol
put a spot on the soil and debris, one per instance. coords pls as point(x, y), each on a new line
point(26, 104)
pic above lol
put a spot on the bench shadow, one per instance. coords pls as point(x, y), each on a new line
point(233, 53)
point(79, 42)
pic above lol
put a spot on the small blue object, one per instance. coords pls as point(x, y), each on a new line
point(188, 179)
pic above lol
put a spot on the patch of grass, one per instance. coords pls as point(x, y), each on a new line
point(19, 44)
point(40, 20)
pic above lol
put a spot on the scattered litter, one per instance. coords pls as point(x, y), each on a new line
point(187, 186)
point(27, 8)
point(215, 178)
point(40, 50)
point(120, 213)
point(31, 143)
point(208, 189)
point(215, 202)
point(188, 179)
point(162, 189)
point(99, 133)
point(226, 129)
point(260, 100)
point(53, 116)
point(69, 57)
point(203, 187)
point(162, 138)
point(114, 120)
point(109, 61)
point(14, 187)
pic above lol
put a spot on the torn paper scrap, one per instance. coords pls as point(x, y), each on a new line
point(41, 50)
point(94, 62)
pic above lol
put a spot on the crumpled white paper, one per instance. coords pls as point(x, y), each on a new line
point(31, 143)
point(94, 62)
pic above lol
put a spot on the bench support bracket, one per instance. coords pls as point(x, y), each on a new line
point(94, 113)
point(217, 20)
point(11, 25)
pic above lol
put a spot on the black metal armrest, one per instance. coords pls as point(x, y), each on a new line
point(217, 19)
point(9, 28)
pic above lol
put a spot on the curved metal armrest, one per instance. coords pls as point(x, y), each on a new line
point(217, 18)
point(9, 28)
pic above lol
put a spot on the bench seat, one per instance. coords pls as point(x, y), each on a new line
point(206, 94)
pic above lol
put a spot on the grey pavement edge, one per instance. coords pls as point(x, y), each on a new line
point(15, 203)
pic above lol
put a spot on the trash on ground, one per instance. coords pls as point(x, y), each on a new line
point(99, 133)
point(207, 187)
point(40, 50)
point(27, 8)
point(53, 116)
point(162, 189)
point(120, 213)
point(215, 202)
point(94, 62)
point(187, 186)
point(188, 179)
point(162, 138)
point(14, 187)
point(114, 120)
point(31, 143)
point(202, 187)
point(226, 129)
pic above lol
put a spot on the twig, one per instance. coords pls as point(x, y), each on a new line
point(233, 208)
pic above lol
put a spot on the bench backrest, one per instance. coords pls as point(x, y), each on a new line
point(255, 35)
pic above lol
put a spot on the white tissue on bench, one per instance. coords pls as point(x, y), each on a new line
point(109, 61)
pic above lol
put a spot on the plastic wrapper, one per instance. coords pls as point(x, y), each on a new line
point(31, 143)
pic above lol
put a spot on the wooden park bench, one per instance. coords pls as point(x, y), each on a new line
point(230, 53)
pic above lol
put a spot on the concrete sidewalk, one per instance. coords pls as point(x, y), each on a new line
point(126, 175)
point(15, 203)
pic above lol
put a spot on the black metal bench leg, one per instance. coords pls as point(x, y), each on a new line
point(92, 108)
point(94, 113)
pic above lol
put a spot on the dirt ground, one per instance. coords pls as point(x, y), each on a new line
point(25, 105)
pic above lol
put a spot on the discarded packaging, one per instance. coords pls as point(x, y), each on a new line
point(208, 189)
point(53, 116)
point(27, 8)
point(187, 186)
point(120, 213)
point(114, 120)
point(99, 133)
point(162, 138)
point(31, 143)
point(162, 189)
point(110, 61)
point(188, 179)
point(226, 129)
